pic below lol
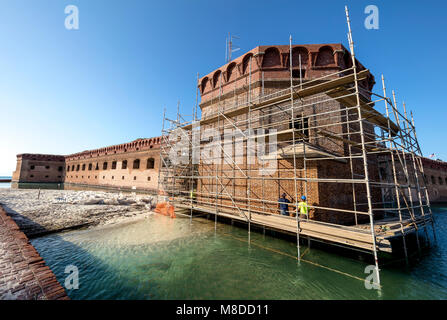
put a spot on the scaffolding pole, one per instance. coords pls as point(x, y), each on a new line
point(324, 122)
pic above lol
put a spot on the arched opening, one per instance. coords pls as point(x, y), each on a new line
point(271, 58)
point(298, 52)
point(216, 78)
point(433, 180)
point(204, 84)
point(124, 164)
point(104, 166)
point(90, 167)
point(441, 182)
point(325, 56)
point(113, 165)
point(136, 164)
point(245, 63)
point(231, 72)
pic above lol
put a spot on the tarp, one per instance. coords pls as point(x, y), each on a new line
point(165, 209)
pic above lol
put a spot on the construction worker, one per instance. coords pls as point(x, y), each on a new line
point(283, 205)
point(302, 206)
point(192, 194)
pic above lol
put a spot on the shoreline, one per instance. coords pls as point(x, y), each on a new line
point(23, 272)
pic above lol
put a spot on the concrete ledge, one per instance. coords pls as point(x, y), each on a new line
point(23, 273)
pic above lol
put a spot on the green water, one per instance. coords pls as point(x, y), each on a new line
point(161, 258)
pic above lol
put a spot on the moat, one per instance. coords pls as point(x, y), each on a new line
point(163, 258)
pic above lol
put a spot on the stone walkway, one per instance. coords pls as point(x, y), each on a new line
point(23, 273)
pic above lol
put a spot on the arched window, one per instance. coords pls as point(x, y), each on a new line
point(124, 164)
point(97, 166)
point(433, 180)
point(136, 164)
point(271, 58)
point(325, 56)
point(104, 166)
point(72, 168)
point(246, 62)
point(68, 168)
point(216, 78)
point(150, 163)
point(298, 52)
point(83, 167)
point(90, 166)
point(113, 165)
point(441, 182)
point(204, 84)
point(77, 167)
point(231, 72)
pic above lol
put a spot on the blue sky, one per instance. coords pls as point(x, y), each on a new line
point(64, 91)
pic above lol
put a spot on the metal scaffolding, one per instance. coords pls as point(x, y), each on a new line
point(329, 122)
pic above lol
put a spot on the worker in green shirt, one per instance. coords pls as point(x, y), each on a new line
point(302, 206)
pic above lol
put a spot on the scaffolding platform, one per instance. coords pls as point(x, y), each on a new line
point(354, 237)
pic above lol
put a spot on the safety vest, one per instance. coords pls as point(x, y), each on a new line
point(302, 205)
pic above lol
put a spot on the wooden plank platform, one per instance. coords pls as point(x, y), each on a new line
point(354, 237)
point(345, 96)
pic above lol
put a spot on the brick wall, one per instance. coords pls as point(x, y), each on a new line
point(100, 167)
point(40, 168)
point(266, 70)
point(436, 176)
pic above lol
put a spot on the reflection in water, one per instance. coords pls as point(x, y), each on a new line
point(162, 258)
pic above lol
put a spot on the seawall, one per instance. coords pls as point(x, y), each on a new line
point(23, 273)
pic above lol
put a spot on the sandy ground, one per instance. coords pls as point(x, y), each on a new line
point(57, 210)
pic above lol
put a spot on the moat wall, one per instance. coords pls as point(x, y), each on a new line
point(23, 273)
